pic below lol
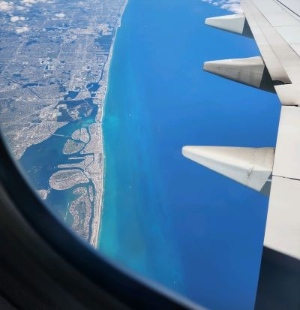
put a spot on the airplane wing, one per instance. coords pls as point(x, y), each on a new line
point(275, 26)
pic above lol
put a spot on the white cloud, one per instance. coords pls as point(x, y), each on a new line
point(229, 5)
point(20, 30)
point(20, 8)
point(15, 19)
point(6, 6)
point(30, 3)
point(60, 15)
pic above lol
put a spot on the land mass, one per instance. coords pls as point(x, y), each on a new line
point(54, 62)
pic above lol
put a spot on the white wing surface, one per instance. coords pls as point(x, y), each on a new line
point(275, 26)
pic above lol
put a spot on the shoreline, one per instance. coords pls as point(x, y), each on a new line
point(54, 91)
point(100, 154)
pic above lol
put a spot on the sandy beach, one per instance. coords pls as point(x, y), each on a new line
point(98, 178)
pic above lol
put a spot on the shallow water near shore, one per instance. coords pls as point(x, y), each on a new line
point(165, 217)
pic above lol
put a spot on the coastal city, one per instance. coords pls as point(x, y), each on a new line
point(54, 63)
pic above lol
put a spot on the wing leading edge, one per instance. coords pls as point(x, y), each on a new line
point(275, 26)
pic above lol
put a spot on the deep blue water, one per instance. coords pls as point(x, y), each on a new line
point(164, 216)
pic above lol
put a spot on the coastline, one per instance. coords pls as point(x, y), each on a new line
point(155, 220)
point(98, 179)
point(53, 97)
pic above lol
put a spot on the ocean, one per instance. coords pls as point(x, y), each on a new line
point(165, 217)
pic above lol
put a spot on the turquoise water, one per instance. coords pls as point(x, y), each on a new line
point(165, 217)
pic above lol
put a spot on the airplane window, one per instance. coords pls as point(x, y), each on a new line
point(97, 100)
